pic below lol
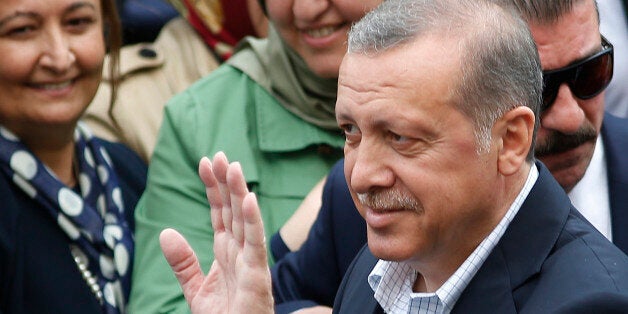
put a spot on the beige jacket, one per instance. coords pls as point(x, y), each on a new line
point(151, 74)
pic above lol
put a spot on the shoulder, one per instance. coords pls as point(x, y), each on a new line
point(580, 241)
point(225, 81)
point(614, 126)
point(336, 190)
point(336, 174)
point(128, 165)
point(583, 265)
point(121, 155)
point(615, 136)
point(615, 133)
point(218, 99)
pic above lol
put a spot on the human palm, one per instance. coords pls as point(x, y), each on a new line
point(239, 278)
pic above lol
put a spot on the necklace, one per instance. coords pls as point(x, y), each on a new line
point(82, 262)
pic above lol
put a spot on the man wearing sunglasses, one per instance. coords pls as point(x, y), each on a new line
point(578, 66)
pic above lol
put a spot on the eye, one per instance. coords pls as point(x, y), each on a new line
point(403, 143)
point(349, 128)
point(351, 132)
point(80, 23)
point(398, 138)
point(21, 31)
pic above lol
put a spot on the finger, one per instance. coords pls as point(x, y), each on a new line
point(255, 242)
point(219, 167)
point(238, 190)
point(183, 262)
point(213, 193)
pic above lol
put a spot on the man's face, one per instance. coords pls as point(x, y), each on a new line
point(411, 158)
point(569, 128)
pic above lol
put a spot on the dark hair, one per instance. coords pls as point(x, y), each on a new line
point(544, 11)
point(113, 40)
point(262, 4)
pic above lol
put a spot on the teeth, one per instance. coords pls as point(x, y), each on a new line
point(55, 86)
point(321, 32)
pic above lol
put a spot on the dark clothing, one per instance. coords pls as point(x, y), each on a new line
point(615, 136)
point(37, 271)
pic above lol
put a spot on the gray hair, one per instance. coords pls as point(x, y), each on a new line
point(500, 67)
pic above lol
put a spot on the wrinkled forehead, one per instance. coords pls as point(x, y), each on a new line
point(420, 75)
point(425, 60)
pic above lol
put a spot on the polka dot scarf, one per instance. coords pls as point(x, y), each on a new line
point(93, 221)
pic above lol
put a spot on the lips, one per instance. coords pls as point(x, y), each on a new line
point(378, 218)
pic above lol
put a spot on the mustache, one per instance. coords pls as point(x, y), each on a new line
point(390, 199)
point(557, 142)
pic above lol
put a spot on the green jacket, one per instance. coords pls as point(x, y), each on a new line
point(281, 155)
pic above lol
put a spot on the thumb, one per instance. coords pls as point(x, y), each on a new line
point(183, 262)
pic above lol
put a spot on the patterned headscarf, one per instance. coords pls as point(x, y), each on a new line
point(221, 23)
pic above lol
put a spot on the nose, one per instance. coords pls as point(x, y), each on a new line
point(57, 55)
point(308, 11)
point(368, 169)
point(565, 115)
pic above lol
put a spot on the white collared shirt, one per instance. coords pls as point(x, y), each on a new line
point(392, 281)
point(590, 195)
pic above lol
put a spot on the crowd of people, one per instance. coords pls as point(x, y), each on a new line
point(400, 156)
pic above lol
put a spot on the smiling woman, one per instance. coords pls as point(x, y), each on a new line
point(67, 195)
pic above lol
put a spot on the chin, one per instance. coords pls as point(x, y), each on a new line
point(389, 250)
point(325, 73)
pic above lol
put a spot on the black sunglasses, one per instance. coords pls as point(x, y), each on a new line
point(586, 78)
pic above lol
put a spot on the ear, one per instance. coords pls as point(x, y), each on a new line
point(515, 131)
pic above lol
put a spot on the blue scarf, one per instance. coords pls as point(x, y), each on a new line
point(93, 220)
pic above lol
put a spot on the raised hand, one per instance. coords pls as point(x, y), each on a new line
point(239, 278)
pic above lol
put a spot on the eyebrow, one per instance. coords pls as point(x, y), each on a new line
point(16, 15)
point(73, 7)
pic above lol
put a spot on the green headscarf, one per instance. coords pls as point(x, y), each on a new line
point(284, 74)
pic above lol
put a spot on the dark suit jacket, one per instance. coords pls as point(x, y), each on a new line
point(37, 271)
point(550, 260)
point(311, 275)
